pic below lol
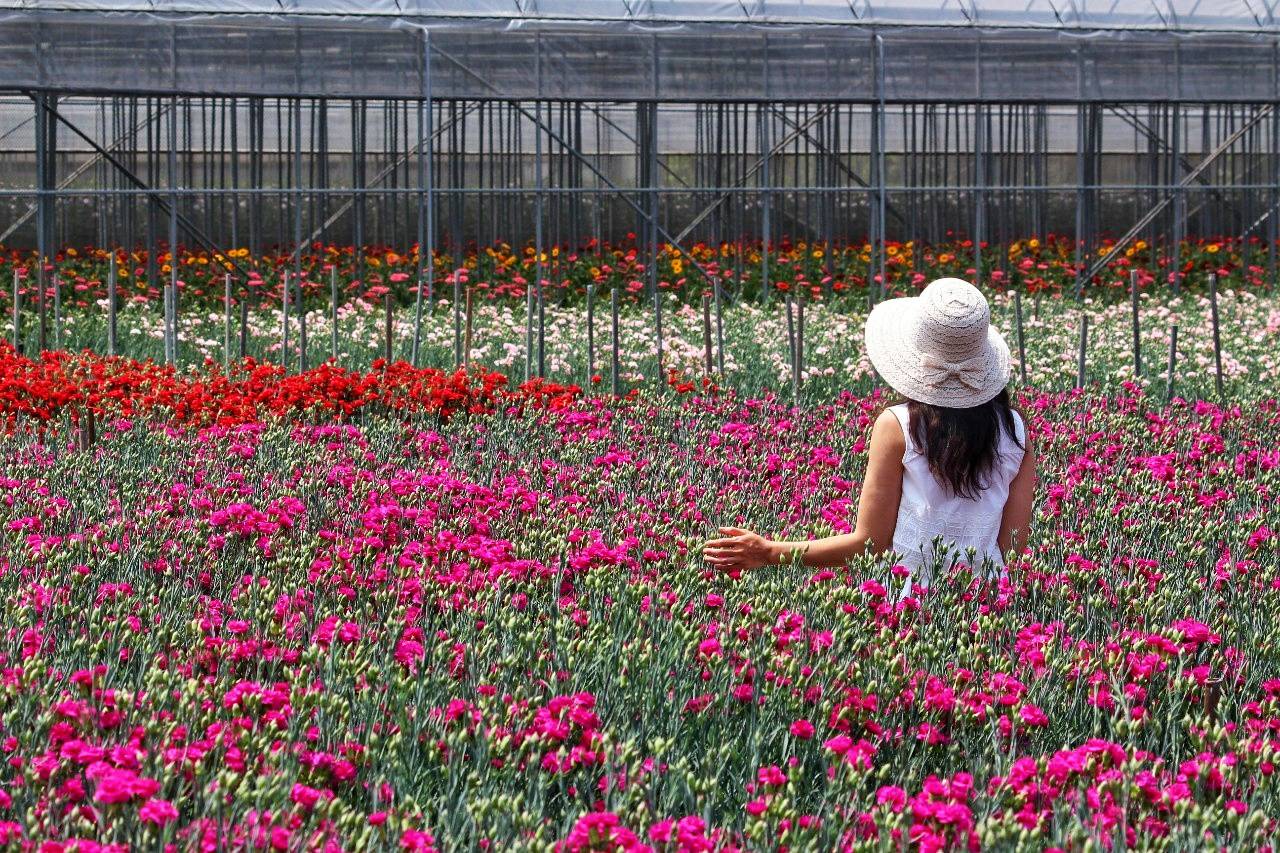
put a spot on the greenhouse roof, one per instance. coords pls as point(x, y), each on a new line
point(1179, 15)
point(1063, 51)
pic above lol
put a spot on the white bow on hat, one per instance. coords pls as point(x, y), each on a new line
point(971, 371)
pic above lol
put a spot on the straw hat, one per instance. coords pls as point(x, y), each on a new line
point(939, 347)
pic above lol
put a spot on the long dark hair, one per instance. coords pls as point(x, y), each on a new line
point(961, 445)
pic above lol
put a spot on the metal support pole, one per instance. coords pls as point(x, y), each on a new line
point(653, 231)
point(878, 118)
point(171, 319)
point(1179, 205)
point(1173, 360)
point(538, 165)
point(297, 233)
point(1080, 179)
point(43, 200)
point(980, 144)
point(426, 200)
point(766, 200)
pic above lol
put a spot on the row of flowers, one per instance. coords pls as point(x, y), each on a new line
point(62, 386)
point(750, 345)
point(1039, 264)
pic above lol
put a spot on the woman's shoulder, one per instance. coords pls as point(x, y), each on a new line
point(893, 429)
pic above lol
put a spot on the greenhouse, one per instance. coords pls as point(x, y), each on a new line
point(258, 125)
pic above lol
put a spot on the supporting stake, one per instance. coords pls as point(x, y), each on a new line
point(542, 332)
point(528, 332)
point(706, 332)
point(112, 326)
point(302, 323)
point(1217, 339)
point(57, 311)
point(591, 336)
point(333, 315)
point(284, 320)
point(791, 339)
point(799, 342)
point(226, 323)
point(613, 384)
point(244, 327)
point(715, 291)
point(1137, 328)
point(17, 314)
point(1084, 345)
point(1173, 361)
point(466, 344)
point(457, 322)
point(1022, 341)
point(386, 346)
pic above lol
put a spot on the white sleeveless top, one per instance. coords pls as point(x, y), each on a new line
point(928, 509)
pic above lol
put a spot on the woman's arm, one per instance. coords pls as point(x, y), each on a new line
point(877, 516)
point(1017, 507)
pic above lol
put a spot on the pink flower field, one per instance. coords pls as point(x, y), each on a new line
point(495, 632)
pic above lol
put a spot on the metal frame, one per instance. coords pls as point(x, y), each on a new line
point(977, 157)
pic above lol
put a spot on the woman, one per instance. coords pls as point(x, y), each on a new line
point(950, 470)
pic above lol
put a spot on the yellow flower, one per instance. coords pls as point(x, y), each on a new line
point(1033, 243)
point(1140, 245)
point(818, 253)
point(123, 273)
point(1212, 248)
point(71, 253)
point(891, 251)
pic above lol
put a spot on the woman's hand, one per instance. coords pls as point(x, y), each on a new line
point(739, 550)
